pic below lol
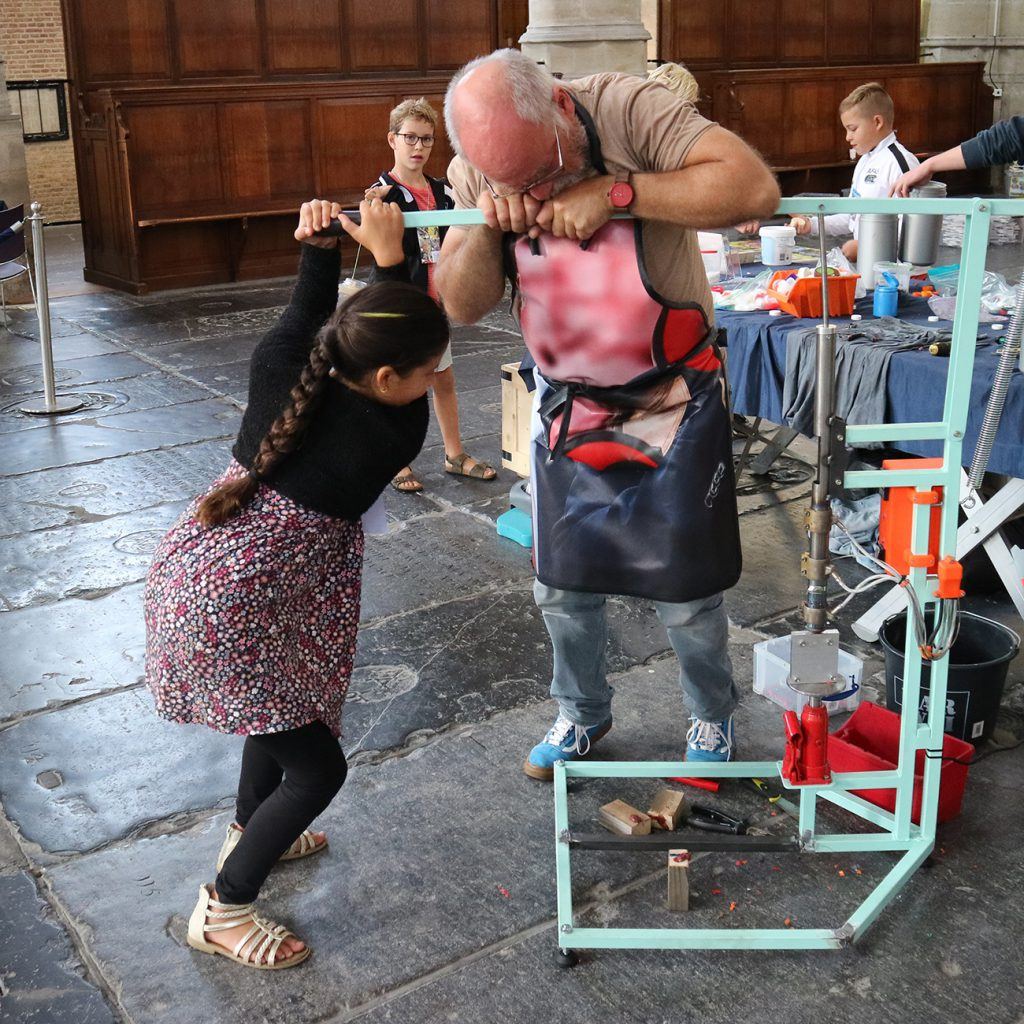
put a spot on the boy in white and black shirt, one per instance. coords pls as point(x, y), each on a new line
point(867, 115)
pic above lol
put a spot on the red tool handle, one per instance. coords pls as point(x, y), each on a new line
point(709, 784)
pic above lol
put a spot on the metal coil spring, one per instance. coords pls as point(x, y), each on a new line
point(997, 399)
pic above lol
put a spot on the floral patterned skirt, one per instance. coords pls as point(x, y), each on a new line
point(251, 625)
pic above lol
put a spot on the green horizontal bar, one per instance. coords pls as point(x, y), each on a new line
point(1005, 207)
point(861, 844)
point(667, 769)
point(810, 204)
point(700, 938)
point(871, 478)
point(841, 781)
point(896, 432)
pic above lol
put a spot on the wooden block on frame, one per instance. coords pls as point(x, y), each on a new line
point(618, 816)
point(668, 809)
point(679, 879)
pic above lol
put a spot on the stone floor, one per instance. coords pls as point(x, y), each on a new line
point(436, 901)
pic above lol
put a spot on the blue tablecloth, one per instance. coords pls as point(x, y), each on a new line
point(915, 388)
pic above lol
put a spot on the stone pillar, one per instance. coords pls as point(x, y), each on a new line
point(13, 175)
point(573, 38)
point(988, 30)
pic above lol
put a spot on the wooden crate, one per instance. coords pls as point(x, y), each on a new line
point(516, 407)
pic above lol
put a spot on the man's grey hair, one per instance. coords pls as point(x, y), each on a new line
point(529, 87)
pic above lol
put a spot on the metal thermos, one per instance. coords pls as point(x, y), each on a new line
point(877, 237)
point(919, 240)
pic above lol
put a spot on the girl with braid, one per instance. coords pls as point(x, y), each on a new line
point(252, 603)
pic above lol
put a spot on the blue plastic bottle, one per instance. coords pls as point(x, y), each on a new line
point(886, 295)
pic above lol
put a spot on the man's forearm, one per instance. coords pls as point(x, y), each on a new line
point(706, 195)
point(470, 279)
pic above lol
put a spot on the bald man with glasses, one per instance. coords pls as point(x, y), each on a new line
point(632, 466)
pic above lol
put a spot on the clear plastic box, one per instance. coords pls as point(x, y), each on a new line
point(771, 670)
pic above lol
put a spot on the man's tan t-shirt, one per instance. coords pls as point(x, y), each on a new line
point(642, 127)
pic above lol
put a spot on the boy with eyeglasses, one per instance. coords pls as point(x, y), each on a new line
point(411, 134)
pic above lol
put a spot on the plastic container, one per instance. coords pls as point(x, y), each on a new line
point(771, 670)
point(805, 298)
point(900, 271)
point(978, 663)
point(712, 252)
point(1015, 180)
point(349, 287)
point(777, 242)
point(869, 742)
point(886, 296)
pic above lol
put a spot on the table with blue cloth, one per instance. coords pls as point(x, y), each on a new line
point(915, 387)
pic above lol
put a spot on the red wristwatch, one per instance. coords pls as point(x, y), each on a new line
point(621, 194)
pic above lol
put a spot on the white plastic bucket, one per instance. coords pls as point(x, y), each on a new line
point(777, 243)
point(771, 670)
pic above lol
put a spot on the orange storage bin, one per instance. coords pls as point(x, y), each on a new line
point(805, 298)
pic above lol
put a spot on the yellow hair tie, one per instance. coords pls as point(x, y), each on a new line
point(394, 316)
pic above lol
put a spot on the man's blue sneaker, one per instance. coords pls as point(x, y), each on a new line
point(710, 741)
point(565, 741)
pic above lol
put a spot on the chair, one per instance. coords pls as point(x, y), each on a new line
point(13, 258)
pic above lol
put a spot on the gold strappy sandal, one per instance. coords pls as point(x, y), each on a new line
point(259, 946)
point(305, 846)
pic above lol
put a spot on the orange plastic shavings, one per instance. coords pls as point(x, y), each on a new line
point(732, 907)
point(788, 922)
point(740, 863)
point(842, 874)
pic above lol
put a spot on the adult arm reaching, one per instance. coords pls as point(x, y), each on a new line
point(1000, 144)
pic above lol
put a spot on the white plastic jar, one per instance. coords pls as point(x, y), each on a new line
point(777, 243)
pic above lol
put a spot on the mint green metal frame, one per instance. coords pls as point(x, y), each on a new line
point(896, 833)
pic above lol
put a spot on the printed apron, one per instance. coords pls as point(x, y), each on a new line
point(632, 457)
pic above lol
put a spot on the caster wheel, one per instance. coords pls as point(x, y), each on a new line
point(566, 958)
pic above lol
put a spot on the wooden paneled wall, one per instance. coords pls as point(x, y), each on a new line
point(791, 116)
point(708, 34)
point(171, 42)
point(201, 125)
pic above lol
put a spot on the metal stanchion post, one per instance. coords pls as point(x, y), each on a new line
point(53, 405)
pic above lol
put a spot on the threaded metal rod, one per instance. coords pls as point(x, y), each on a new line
point(997, 397)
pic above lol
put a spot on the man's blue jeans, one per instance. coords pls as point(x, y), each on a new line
point(697, 630)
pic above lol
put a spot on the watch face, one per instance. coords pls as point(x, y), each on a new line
point(621, 194)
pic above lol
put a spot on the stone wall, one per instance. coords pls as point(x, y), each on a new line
point(32, 43)
point(988, 30)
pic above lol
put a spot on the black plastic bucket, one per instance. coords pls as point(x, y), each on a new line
point(978, 664)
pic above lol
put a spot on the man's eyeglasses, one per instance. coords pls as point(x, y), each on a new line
point(410, 139)
point(501, 192)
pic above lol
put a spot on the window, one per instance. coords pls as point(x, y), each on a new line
point(43, 109)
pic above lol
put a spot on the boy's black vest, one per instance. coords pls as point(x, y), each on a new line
point(410, 243)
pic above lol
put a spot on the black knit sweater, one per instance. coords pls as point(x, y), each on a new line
point(353, 445)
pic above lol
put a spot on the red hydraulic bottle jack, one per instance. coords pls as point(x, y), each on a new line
point(805, 762)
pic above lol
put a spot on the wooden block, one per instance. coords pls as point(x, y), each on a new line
point(668, 809)
point(516, 409)
point(678, 879)
point(619, 817)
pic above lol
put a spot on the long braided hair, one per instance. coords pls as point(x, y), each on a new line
point(385, 324)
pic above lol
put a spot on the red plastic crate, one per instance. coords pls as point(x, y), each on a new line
point(869, 742)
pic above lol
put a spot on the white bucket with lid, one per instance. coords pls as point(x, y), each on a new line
point(777, 243)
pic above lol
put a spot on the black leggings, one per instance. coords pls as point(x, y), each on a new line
point(288, 778)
